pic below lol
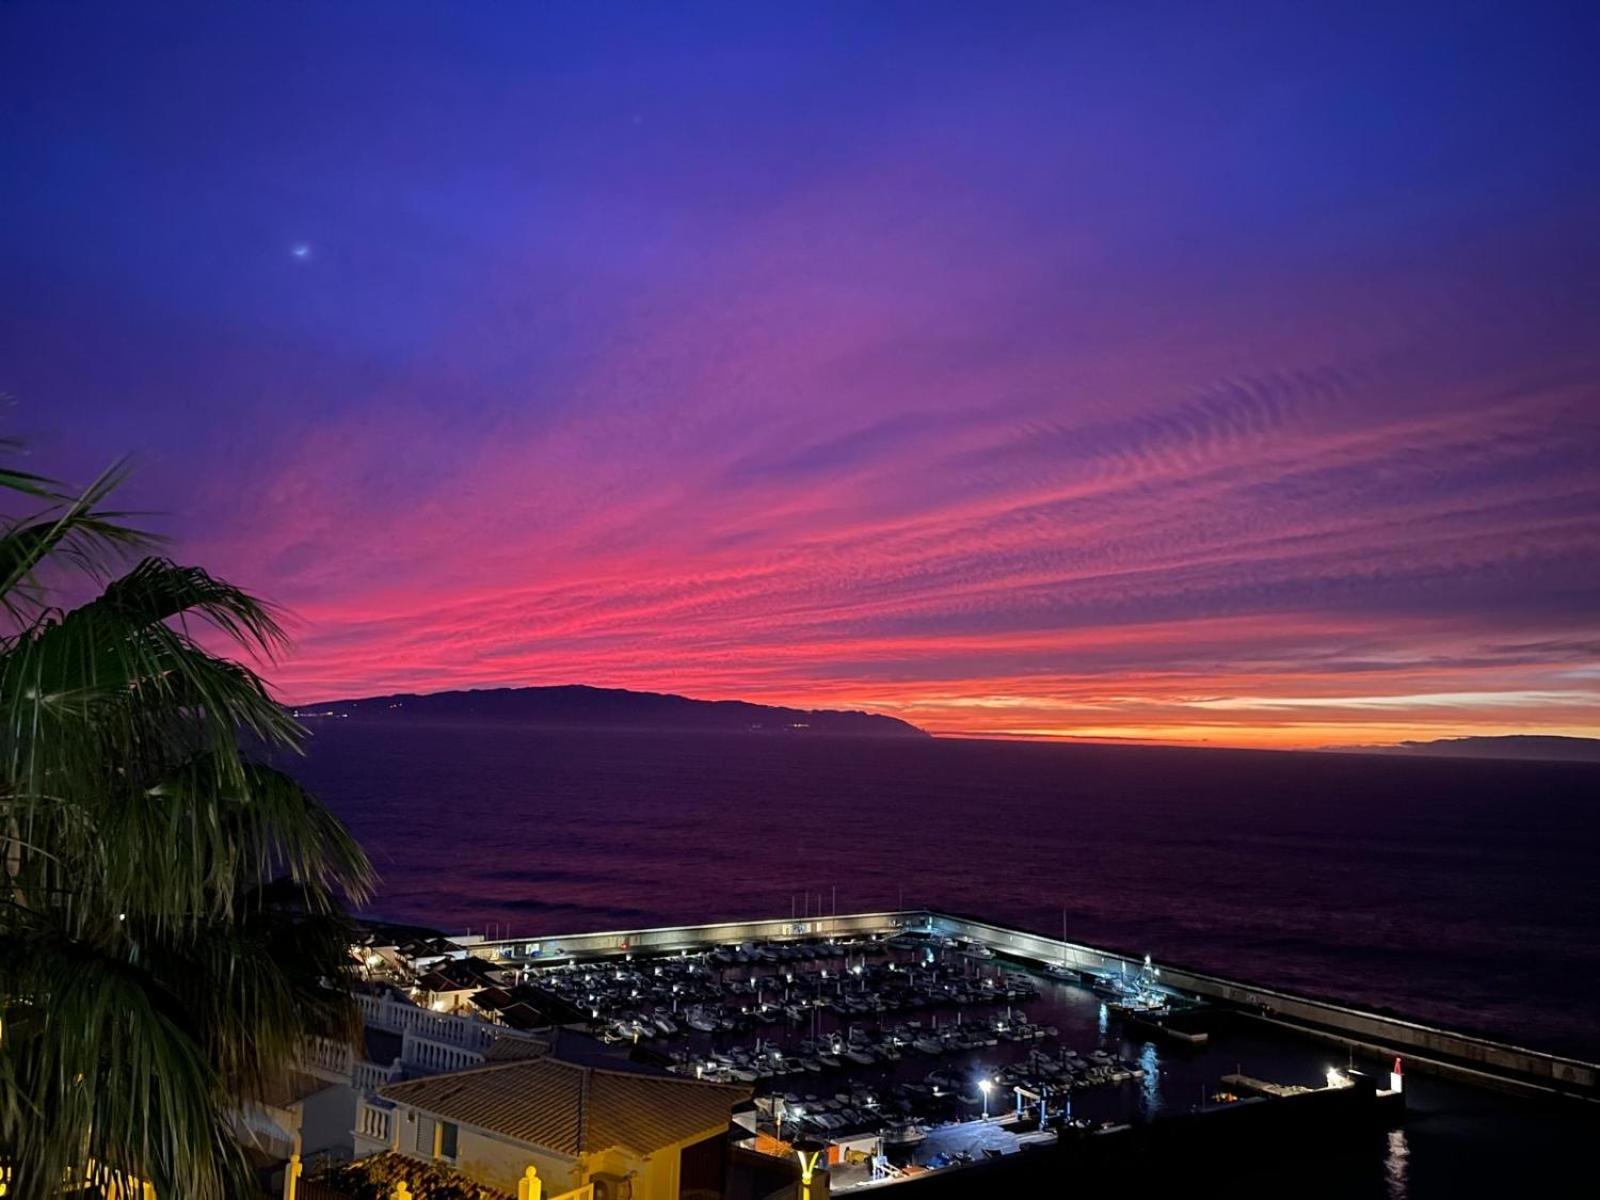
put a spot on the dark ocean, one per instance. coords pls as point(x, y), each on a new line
point(1455, 892)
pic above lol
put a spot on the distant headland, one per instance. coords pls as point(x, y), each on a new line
point(1543, 747)
point(609, 708)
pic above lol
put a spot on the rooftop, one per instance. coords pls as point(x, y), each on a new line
point(573, 1109)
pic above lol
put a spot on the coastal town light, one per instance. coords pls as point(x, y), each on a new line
point(985, 1087)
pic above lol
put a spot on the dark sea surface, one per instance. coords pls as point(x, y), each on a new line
point(1462, 893)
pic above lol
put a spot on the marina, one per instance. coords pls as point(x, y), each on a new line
point(1452, 1053)
point(911, 1044)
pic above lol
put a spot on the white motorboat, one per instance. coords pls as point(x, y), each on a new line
point(904, 1133)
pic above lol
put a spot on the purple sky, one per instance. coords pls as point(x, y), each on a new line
point(1223, 372)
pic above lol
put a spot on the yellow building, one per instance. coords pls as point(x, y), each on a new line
point(633, 1136)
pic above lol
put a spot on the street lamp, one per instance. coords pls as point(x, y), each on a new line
point(985, 1087)
point(809, 1151)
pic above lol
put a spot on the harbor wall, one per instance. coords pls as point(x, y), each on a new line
point(1470, 1057)
point(669, 939)
point(1376, 1032)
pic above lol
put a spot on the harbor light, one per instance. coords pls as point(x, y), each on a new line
point(985, 1087)
point(1337, 1078)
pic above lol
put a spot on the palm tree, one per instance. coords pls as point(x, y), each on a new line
point(171, 922)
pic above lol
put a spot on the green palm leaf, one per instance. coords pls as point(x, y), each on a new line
point(171, 910)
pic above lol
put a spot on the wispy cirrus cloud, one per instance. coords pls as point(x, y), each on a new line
point(834, 366)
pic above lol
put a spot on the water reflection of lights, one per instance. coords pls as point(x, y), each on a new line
point(1396, 1165)
point(1105, 1016)
point(1150, 1085)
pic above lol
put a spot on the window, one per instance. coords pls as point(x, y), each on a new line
point(447, 1140)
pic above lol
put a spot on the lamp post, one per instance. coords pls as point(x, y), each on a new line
point(985, 1087)
point(813, 1168)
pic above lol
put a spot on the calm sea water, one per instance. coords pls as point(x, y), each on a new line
point(1455, 892)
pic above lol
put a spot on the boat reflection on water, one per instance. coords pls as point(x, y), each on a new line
point(1150, 1085)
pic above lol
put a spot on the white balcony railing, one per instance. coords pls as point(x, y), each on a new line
point(369, 1077)
point(375, 1123)
point(432, 1057)
point(400, 1016)
point(327, 1055)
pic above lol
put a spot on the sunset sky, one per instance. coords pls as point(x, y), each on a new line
point(1218, 373)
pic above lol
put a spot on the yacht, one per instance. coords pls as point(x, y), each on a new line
point(904, 1133)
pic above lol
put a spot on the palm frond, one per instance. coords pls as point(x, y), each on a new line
point(110, 1076)
point(76, 530)
point(171, 912)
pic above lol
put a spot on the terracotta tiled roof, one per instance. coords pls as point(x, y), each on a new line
point(521, 1016)
point(438, 981)
point(509, 1049)
point(572, 1109)
point(492, 998)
